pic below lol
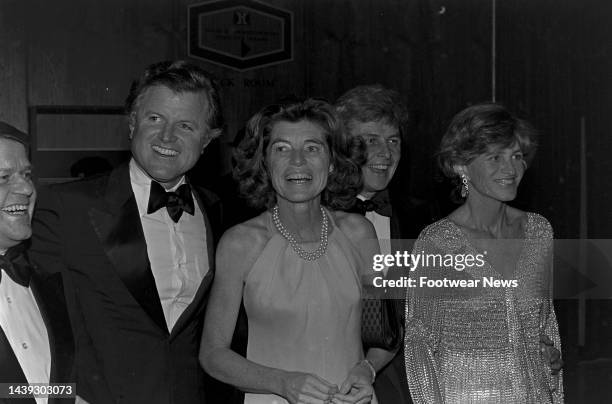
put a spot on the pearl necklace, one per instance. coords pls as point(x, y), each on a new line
point(303, 254)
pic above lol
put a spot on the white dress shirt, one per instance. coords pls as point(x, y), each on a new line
point(177, 251)
point(25, 330)
point(382, 225)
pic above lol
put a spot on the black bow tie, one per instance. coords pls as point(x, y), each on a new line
point(379, 203)
point(16, 266)
point(175, 202)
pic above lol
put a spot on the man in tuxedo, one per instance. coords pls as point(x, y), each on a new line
point(137, 246)
point(36, 344)
point(380, 118)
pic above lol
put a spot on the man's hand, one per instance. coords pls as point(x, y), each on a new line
point(551, 355)
point(304, 388)
point(357, 388)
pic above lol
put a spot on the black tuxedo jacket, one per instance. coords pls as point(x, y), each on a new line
point(407, 220)
point(91, 231)
point(48, 290)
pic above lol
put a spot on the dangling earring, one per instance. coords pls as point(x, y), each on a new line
point(465, 188)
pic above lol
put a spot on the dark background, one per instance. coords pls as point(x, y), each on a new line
point(552, 64)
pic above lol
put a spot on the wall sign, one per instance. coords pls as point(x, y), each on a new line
point(240, 34)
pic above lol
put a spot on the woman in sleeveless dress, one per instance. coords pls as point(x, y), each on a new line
point(480, 322)
point(297, 267)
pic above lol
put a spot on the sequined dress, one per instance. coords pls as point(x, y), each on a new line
point(481, 344)
point(304, 315)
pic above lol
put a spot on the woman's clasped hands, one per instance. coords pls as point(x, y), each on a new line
point(305, 388)
point(357, 387)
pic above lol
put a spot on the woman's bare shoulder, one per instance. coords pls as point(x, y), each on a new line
point(245, 240)
point(355, 226)
point(517, 216)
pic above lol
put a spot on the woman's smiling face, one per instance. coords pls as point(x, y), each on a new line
point(497, 173)
point(298, 160)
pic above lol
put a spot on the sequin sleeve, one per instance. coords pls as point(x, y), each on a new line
point(549, 325)
point(423, 323)
point(551, 330)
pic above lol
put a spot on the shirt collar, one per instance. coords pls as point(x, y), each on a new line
point(141, 186)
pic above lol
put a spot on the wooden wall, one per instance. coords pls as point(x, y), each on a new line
point(13, 50)
point(553, 66)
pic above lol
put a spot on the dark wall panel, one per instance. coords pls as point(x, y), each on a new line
point(452, 69)
point(13, 80)
point(554, 64)
point(87, 52)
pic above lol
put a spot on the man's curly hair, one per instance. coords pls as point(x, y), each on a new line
point(346, 155)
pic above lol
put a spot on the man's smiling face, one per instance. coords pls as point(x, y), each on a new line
point(383, 148)
point(17, 194)
point(168, 132)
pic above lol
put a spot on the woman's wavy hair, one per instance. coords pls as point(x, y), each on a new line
point(479, 128)
point(346, 155)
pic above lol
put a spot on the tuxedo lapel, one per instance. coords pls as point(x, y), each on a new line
point(120, 232)
point(408, 220)
point(397, 243)
point(208, 206)
point(400, 233)
point(400, 241)
point(194, 306)
point(211, 211)
point(49, 295)
point(394, 221)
